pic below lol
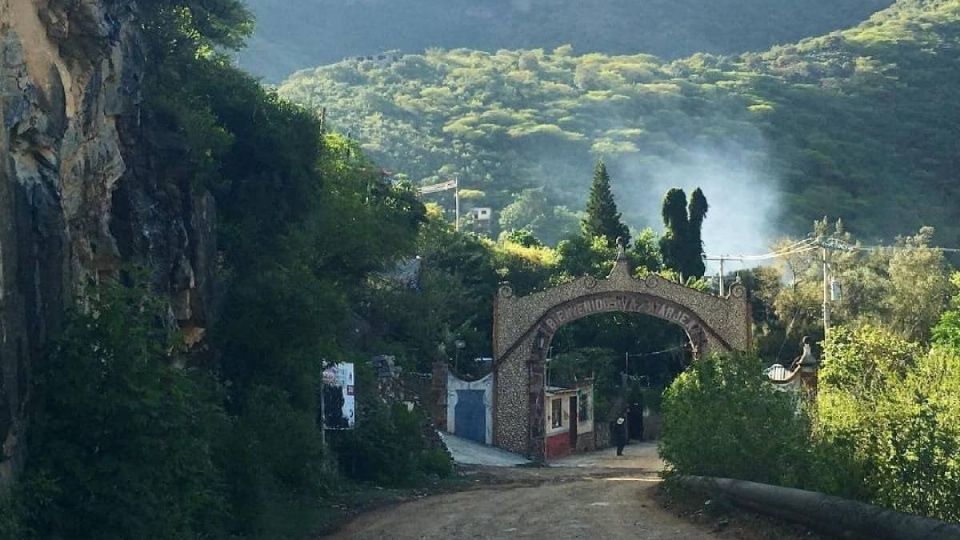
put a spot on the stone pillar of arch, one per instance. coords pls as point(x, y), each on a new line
point(523, 328)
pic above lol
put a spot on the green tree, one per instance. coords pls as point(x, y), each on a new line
point(947, 331)
point(698, 212)
point(888, 422)
point(602, 217)
point(534, 210)
point(681, 245)
point(919, 288)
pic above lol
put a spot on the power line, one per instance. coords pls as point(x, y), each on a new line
point(655, 353)
point(880, 248)
point(801, 246)
point(810, 244)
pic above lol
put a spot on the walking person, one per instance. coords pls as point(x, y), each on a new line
point(620, 434)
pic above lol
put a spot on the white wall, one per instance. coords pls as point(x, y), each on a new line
point(582, 426)
point(485, 384)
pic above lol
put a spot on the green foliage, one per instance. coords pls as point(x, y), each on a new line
point(124, 441)
point(388, 445)
point(534, 210)
point(698, 212)
point(132, 441)
point(862, 361)
point(274, 455)
point(947, 331)
point(904, 288)
point(288, 38)
point(504, 130)
point(682, 244)
point(721, 418)
point(12, 525)
point(897, 431)
point(602, 218)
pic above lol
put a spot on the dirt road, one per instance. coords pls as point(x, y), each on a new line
point(583, 499)
point(615, 507)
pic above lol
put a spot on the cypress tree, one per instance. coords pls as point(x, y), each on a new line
point(602, 216)
point(682, 243)
point(675, 221)
point(698, 212)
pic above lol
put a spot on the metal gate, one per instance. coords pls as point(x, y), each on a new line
point(471, 416)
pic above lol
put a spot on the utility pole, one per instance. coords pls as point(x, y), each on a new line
point(826, 293)
point(444, 186)
point(720, 258)
point(721, 276)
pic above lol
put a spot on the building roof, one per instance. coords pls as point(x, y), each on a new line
point(562, 390)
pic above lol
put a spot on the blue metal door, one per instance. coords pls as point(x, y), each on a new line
point(470, 416)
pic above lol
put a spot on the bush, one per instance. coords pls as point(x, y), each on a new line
point(11, 518)
point(436, 462)
point(122, 443)
point(887, 427)
point(895, 440)
point(721, 418)
point(387, 446)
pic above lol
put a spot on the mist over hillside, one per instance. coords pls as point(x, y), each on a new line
point(859, 124)
point(306, 33)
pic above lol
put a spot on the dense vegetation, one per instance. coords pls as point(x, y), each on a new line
point(904, 287)
point(135, 437)
point(858, 124)
point(295, 35)
point(883, 426)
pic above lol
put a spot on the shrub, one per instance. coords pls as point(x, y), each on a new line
point(896, 441)
point(387, 446)
point(121, 445)
point(721, 418)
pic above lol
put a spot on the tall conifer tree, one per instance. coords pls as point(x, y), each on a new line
point(602, 216)
point(698, 212)
point(675, 222)
point(682, 243)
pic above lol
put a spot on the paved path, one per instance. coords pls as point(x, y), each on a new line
point(639, 455)
point(467, 452)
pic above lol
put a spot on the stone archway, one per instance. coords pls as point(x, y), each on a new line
point(524, 326)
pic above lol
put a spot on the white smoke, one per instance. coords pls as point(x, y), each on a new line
point(742, 192)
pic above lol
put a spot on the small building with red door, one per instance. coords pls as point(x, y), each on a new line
point(568, 419)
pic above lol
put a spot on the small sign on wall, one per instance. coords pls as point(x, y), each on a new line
point(339, 401)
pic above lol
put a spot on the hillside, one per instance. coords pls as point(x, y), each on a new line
point(859, 124)
point(296, 35)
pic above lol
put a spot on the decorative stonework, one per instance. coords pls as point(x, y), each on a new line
point(524, 326)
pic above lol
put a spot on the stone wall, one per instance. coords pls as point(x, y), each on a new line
point(524, 327)
point(85, 187)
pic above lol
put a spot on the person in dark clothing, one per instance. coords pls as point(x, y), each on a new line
point(620, 434)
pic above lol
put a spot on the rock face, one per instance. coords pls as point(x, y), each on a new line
point(84, 187)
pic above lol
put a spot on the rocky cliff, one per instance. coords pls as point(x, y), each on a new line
point(85, 187)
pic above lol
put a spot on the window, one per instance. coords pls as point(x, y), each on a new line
point(556, 415)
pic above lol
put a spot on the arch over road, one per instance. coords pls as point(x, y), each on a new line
point(523, 328)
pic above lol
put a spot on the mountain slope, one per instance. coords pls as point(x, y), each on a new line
point(858, 124)
point(295, 35)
